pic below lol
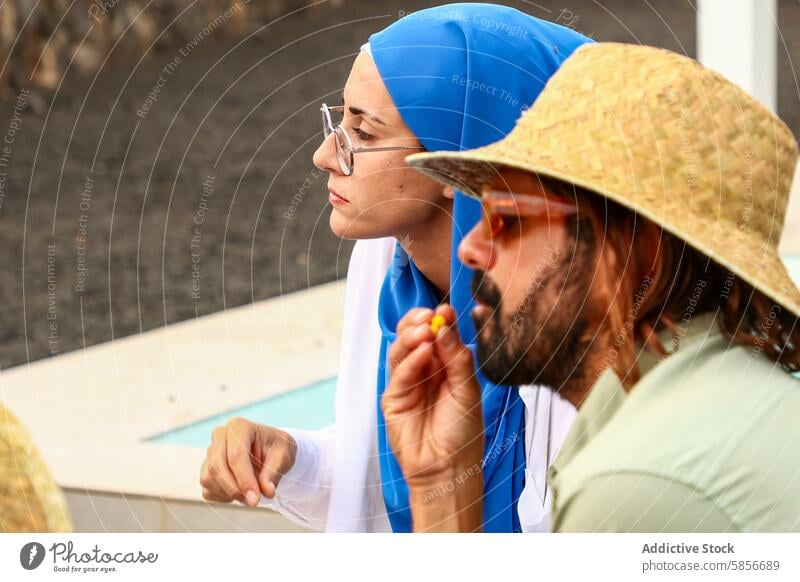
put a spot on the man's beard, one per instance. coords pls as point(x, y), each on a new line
point(545, 339)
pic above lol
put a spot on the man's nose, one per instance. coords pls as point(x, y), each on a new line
point(325, 156)
point(476, 251)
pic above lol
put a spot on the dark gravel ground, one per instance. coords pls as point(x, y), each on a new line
point(241, 118)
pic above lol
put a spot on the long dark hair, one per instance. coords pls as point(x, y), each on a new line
point(650, 279)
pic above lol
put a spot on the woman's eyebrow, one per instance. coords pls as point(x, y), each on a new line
point(361, 112)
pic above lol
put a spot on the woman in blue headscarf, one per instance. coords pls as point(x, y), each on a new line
point(448, 78)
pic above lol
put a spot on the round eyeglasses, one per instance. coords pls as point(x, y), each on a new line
point(345, 151)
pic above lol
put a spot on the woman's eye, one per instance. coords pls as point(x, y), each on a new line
point(362, 135)
point(510, 222)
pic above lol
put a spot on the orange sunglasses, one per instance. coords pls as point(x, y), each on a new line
point(499, 206)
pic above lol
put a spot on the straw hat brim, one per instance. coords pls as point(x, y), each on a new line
point(470, 170)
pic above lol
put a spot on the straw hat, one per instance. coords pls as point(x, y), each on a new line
point(664, 136)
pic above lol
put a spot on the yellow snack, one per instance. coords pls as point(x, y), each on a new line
point(437, 323)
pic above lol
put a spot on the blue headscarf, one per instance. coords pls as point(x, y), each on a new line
point(460, 76)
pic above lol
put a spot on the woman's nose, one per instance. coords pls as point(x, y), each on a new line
point(325, 156)
point(475, 250)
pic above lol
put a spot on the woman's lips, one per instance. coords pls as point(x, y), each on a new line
point(336, 199)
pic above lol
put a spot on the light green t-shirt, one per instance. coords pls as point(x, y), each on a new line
point(707, 440)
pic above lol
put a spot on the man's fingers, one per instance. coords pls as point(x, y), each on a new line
point(406, 341)
point(413, 368)
point(240, 461)
point(447, 311)
point(406, 378)
point(413, 329)
point(459, 367)
point(414, 317)
point(455, 356)
point(436, 373)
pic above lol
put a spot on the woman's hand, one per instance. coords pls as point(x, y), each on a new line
point(244, 460)
point(434, 422)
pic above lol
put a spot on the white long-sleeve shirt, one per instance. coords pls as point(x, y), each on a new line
point(334, 484)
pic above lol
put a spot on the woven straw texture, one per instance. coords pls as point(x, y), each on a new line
point(664, 136)
point(30, 501)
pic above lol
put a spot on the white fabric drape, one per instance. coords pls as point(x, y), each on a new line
point(335, 482)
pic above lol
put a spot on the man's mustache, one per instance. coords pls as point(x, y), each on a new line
point(485, 290)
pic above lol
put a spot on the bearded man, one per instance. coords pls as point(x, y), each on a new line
point(627, 259)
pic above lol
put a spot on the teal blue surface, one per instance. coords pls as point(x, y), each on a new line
point(309, 407)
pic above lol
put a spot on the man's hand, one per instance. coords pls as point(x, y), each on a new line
point(434, 422)
point(244, 460)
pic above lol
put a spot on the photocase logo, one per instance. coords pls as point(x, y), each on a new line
point(31, 555)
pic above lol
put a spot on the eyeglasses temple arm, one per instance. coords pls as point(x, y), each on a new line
point(386, 149)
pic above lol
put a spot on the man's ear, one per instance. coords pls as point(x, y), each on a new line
point(449, 192)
